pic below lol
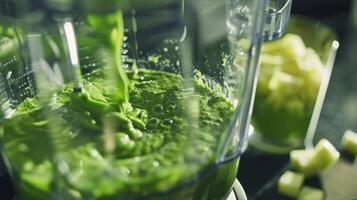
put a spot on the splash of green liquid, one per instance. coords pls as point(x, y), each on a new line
point(110, 31)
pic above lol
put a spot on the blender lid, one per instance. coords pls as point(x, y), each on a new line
point(238, 191)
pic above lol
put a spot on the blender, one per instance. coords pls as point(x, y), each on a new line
point(132, 100)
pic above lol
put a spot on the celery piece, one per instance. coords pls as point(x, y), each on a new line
point(290, 45)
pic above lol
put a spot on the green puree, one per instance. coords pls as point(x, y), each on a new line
point(156, 147)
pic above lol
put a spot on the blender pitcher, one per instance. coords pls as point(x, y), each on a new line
point(9, 58)
point(132, 100)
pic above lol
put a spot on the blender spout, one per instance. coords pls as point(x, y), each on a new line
point(278, 14)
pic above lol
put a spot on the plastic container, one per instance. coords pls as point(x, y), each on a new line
point(129, 100)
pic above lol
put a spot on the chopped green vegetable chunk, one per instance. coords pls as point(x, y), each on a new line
point(300, 160)
point(349, 142)
point(325, 155)
point(290, 183)
point(309, 193)
point(311, 162)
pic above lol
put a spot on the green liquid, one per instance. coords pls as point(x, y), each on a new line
point(281, 125)
point(159, 147)
point(155, 150)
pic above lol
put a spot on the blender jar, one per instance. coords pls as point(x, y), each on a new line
point(10, 58)
point(130, 100)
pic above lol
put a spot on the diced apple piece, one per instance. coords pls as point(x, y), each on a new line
point(290, 183)
point(312, 61)
point(265, 74)
point(290, 45)
point(295, 45)
point(309, 193)
point(325, 155)
point(349, 142)
point(281, 81)
point(285, 85)
point(291, 66)
point(271, 60)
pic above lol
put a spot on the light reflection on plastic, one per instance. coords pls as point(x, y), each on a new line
point(71, 40)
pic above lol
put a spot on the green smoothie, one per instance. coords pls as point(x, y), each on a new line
point(123, 134)
point(155, 146)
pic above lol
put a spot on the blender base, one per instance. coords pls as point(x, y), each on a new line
point(237, 192)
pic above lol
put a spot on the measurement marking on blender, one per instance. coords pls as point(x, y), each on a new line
point(4, 101)
point(3, 91)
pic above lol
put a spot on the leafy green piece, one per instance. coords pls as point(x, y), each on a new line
point(109, 29)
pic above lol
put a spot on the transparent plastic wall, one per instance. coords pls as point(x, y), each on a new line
point(130, 99)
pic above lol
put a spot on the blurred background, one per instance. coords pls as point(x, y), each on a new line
point(338, 113)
